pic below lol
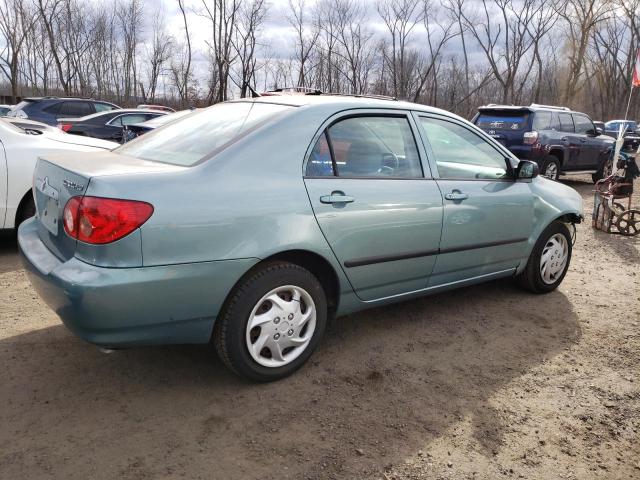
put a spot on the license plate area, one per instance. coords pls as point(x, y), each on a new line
point(47, 206)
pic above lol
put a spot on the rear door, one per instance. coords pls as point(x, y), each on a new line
point(488, 217)
point(569, 140)
point(381, 215)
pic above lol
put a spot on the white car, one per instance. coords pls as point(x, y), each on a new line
point(23, 142)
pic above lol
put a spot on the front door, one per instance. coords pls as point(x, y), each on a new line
point(488, 217)
point(590, 146)
point(380, 214)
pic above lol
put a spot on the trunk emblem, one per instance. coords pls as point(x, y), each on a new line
point(72, 185)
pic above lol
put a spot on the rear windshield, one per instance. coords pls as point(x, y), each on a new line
point(22, 104)
point(195, 137)
point(503, 120)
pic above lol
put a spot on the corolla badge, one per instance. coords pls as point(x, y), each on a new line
point(72, 185)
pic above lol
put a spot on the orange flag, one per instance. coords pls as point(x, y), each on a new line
point(636, 71)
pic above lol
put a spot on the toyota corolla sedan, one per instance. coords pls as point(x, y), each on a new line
point(249, 223)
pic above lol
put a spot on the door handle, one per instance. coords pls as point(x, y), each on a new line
point(337, 197)
point(583, 140)
point(456, 195)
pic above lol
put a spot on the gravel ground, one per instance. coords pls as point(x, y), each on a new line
point(486, 382)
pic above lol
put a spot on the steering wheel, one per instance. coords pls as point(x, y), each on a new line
point(390, 163)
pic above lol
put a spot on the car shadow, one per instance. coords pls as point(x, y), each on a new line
point(9, 258)
point(384, 384)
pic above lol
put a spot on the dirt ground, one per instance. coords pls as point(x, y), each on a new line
point(482, 383)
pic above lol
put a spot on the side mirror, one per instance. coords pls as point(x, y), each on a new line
point(594, 132)
point(599, 131)
point(527, 170)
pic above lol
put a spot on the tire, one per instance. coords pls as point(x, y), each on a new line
point(551, 168)
point(532, 278)
point(604, 170)
point(233, 339)
point(27, 210)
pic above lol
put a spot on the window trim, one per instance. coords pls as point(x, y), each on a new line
point(338, 117)
point(570, 115)
point(500, 149)
point(573, 115)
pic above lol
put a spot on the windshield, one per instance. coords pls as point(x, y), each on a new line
point(195, 137)
point(503, 120)
point(629, 125)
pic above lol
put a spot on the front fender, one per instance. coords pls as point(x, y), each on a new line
point(551, 201)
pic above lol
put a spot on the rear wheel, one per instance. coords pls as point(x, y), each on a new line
point(549, 260)
point(551, 167)
point(272, 322)
point(26, 211)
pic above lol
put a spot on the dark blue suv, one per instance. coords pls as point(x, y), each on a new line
point(559, 140)
point(49, 109)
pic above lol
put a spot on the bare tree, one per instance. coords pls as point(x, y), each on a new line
point(181, 65)
point(306, 38)
point(245, 42)
point(15, 25)
point(581, 18)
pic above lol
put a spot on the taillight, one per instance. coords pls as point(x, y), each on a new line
point(103, 220)
point(530, 137)
point(65, 127)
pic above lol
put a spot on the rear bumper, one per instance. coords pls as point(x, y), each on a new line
point(120, 307)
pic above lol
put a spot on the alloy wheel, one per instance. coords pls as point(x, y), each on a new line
point(551, 171)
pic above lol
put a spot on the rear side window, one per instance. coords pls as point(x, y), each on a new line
point(583, 123)
point(53, 109)
point(128, 119)
point(503, 121)
point(319, 163)
point(367, 146)
point(565, 123)
point(76, 109)
point(542, 120)
point(103, 107)
point(197, 136)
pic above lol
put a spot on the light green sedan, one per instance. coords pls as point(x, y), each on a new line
point(250, 223)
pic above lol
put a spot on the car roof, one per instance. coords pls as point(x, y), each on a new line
point(345, 102)
point(534, 107)
point(36, 99)
point(116, 111)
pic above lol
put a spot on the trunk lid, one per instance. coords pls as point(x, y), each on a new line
point(58, 178)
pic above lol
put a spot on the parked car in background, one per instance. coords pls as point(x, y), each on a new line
point(631, 133)
point(251, 222)
point(49, 109)
point(107, 125)
point(156, 107)
point(137, 129)
point(24, 141)
point(558, 139)
point(599, 126)
point(5, 109)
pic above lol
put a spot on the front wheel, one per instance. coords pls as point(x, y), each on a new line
point(549, 260)
point(272, 322)
point(551, 167)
